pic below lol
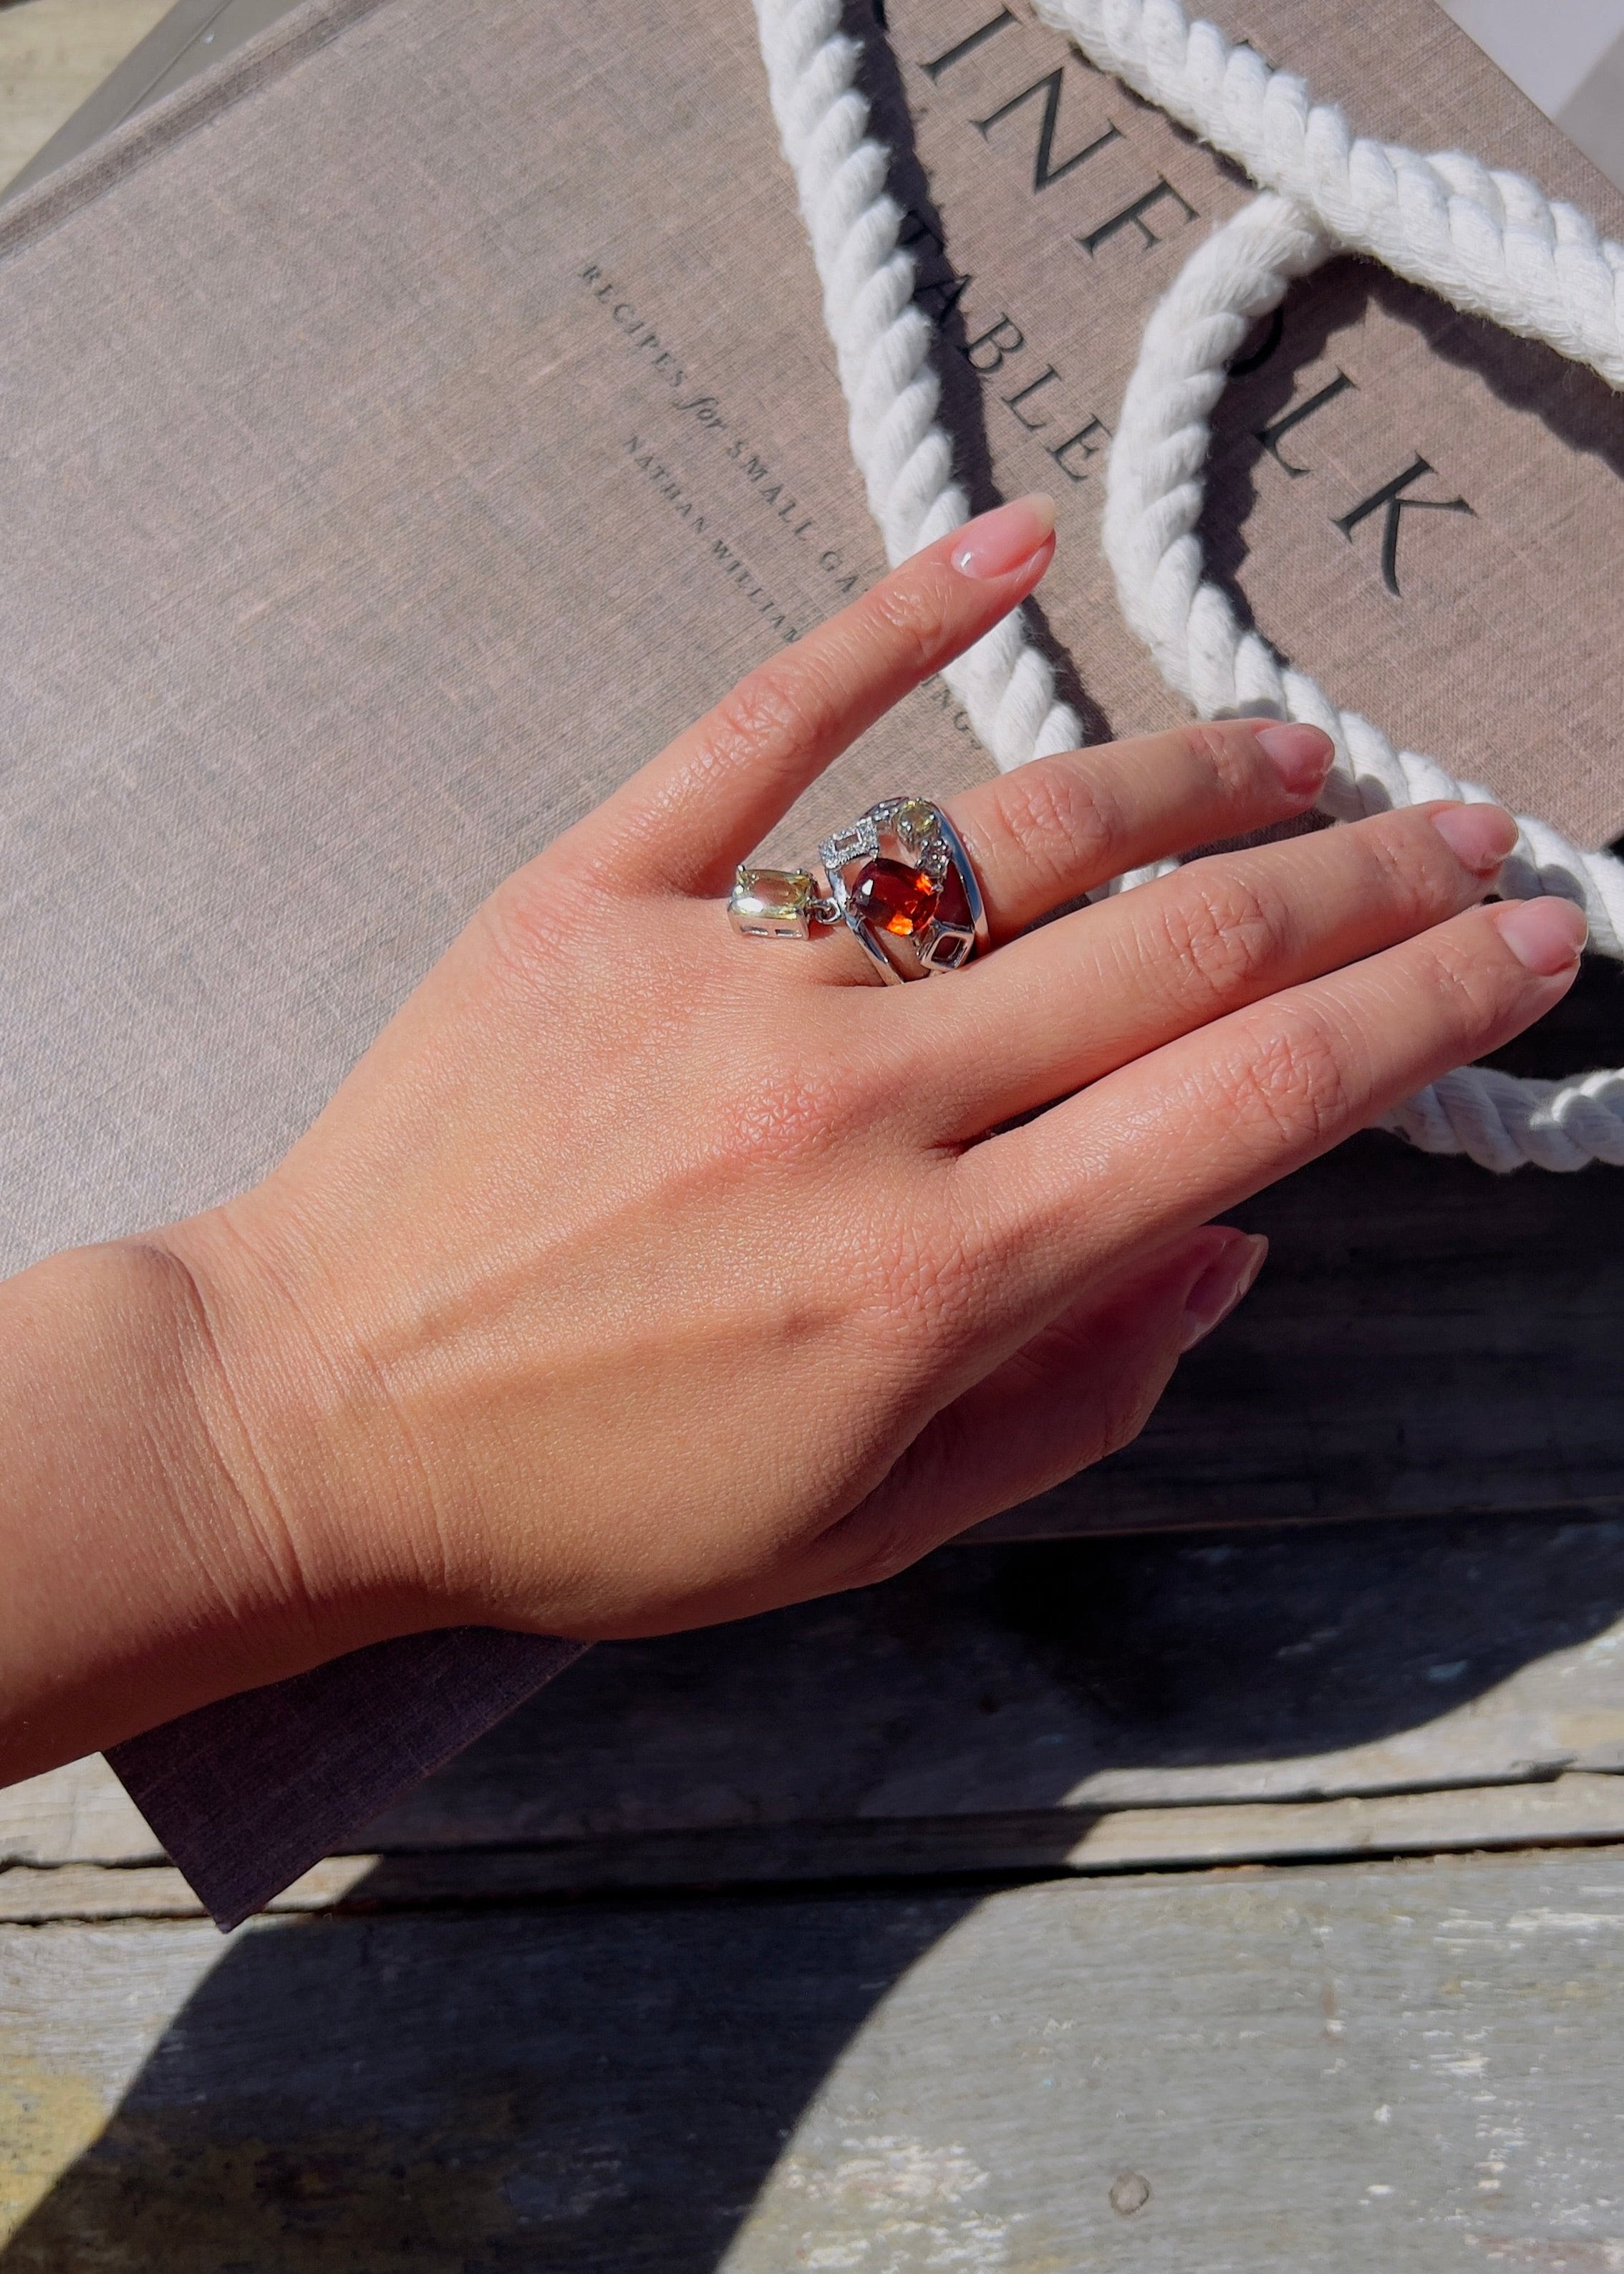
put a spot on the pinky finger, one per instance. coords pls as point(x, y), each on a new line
point(1082, 1388)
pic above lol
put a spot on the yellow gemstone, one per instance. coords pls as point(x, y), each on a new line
point(771, 903)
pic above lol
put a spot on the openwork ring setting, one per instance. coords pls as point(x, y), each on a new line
point(900, 880)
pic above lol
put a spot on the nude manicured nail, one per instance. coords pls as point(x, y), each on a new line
point(1479, 836)
point(1301, 756)
point(1547, 935)
point(1220, 1287)
point(1006, 539)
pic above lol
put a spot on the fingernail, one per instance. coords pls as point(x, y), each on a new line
point(1301, 756)
point(1220, 1287)
point(1547, 937)
point(1479, 836)
point(1006, 539)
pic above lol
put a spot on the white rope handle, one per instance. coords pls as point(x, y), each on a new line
point(1155, 491)
point(1490, 242)
point(1485, 240)
point(882, 346)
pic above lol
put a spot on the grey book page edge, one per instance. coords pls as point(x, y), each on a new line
point(182, 40)
point(112, 133)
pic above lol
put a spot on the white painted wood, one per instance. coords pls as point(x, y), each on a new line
point(1388, 2066)
point(1371, 2071)
point(1575, 1810)
point(1006, 1686)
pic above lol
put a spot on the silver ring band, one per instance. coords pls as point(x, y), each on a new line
point(900, 878)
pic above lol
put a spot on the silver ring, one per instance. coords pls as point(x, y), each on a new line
point(900, 880)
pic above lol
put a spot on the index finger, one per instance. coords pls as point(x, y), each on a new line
point(692, 813)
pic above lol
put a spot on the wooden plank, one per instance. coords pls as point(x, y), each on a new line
point(1387, 2066)
point(77, 1814)
point(1004, 1682)
point(1109, 1676)
point(1571, 1810)
point(1425, 1340)
point(53, 53)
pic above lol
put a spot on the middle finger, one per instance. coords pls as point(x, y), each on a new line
point(1052, 830)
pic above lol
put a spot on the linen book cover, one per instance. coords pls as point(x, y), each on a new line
point(416, 421)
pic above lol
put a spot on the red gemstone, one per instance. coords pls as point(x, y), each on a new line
point(894, 897)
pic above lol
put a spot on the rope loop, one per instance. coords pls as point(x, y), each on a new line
point(1488, 241)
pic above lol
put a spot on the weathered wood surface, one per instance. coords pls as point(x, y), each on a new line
point(53, 53)
point(994, 1688)
point(1378, 2067)
point(1570, 1812)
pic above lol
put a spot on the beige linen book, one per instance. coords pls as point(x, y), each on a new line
point(412, 423)
point(412, 426)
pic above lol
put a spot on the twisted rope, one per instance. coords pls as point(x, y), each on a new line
point(1154, 492)
point(1490, 242)
point(1485, 240)
point(883, 346)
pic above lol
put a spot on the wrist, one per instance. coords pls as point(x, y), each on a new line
point(307, 1447)
point(146, 1572)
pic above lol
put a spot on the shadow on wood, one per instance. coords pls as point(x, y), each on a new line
point(1129, 1672)
point(613, 2085)
point(610, 2083)
point(1312, 2071)
point(1425, 1340)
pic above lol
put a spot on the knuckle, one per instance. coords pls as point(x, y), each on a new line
point(785, 1113)
point(1060, 821)
point(1125, 1403)
point(926, 1279)
point(777, 709)
point(915, 1286)
point(1120, 1395)
point(915, 614)
point(808, 1097)
point(1226, 929)
point(536, 921)
point(881, 1546)
point(1295, 1086)
point(1469, 992)
point(1397, 871)
point(1227, 751)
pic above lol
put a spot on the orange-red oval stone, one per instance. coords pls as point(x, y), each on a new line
point(896, 897)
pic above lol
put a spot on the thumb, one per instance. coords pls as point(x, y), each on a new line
point(1082, 1388)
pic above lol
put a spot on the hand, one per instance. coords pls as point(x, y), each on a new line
point(641, 1275)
